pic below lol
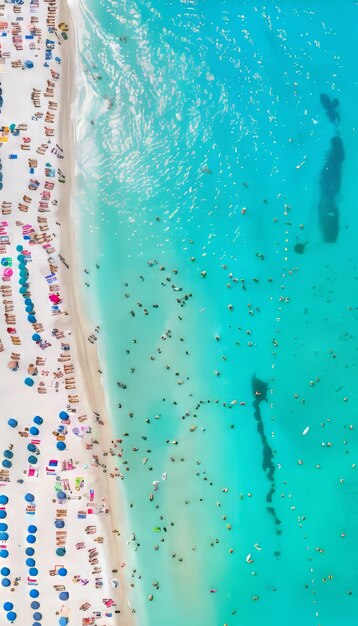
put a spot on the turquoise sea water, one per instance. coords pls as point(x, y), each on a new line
point(201, 142)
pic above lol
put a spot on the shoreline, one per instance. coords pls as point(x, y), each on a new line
point(87, 353)
point(56, 503)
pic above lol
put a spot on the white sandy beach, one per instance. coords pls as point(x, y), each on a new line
point(60, 365)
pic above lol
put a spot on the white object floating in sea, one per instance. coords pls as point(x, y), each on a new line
point(306, 430)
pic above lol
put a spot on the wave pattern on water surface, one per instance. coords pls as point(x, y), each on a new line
point(227, 321)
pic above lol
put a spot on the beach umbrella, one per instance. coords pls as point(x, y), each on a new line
point(35, 605)
point(28, 301)
point(31, 447)
point(4, 536)
point(34, 593)
point(38, 419)
point(29, 308)
point(31, 539)
point(4, 499)
point(22, 290)
point(4, 554)
point(34, 431)
point(36, 624)
point(63, 415)
point(5, 572)
point(6, 582)
point(12, 422)
point(3, 526)
point(63, 621)
point(32, 459)
point(3, 514)
point(8, 454)
point(22, 281)
point(29, 497)
point(62, 571)
point(29, 382)
point(61, 551)
point(11, 616)
point(19, 248)
point(59, 523)
point(24, 272)
point(36, 337)
point(31, 318)
point(6, 464)
point(37, 615)
point(30, 562)
point(64, 595)
point(33, 571)
point(21, 258)
point(61, 495)
point(29, 551)
point(61, 445)
point(32, 529)
point(8, 606)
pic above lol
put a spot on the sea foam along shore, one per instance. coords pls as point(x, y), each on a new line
point(57, 506)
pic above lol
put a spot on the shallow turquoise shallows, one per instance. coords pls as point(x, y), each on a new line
point(217, 207)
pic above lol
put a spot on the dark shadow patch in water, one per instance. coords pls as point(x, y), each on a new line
point(330, 184)
point(330, 107)
point(260, 390)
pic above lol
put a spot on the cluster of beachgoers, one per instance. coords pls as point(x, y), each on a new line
point(60, 551)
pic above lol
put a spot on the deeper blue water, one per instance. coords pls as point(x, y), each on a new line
point(201, 145)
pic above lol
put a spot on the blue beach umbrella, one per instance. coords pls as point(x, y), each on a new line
point(61, 495)
point(6, 582)
point(29, 382)
point(30, 562)
point(31, 318)
point(36, 337)
point(11, 616)
point(32, 529)
point(63, 415)
point(29, 551)
point(35, 605)
point(62, 571)
point(8, 606)
point(29, 497)
point(4, 554)
point(31, 447)
point(61, 551)
point(22, 290)
point(3, 526)
point(29, 308)
point(24, 273)
point(28, 301)
point(12, 422)
point(22, 281)
point(32, 459)
point(61, 445)
point(5, 572)
point(3, 514)
point(19, 248)
point(63, 621)
point(8, 454)
point(33, 571)
point(34, 431)
point(38, 419)
point(21, 258)
point(59, 523)
point(37, 615)
point(34, 593)
point(64, 595)
point(6, 463)
point(4, 499)
point(31, 539)
point(4, 536)
point(36, 624)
